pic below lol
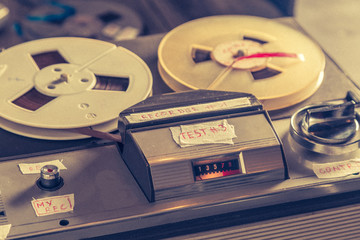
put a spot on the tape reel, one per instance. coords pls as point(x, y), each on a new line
point(104, 20)
point(53, 85)
point(204, 54)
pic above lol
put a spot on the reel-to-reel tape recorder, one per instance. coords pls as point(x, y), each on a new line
point(220, 123)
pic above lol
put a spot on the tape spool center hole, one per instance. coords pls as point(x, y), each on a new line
point(63, 79)
point(239, 53)
point(225, 54)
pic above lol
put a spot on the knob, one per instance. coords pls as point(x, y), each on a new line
point(50, 179)
point(327, 128)
point(330, 124)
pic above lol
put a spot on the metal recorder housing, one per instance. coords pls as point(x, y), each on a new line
point(108, 200)
point(165, 168)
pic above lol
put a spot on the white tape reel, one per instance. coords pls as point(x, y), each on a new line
point(50, 86)
point(201, 54)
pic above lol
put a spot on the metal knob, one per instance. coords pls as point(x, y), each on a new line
point(327, 128)
point(50, 179)
point(331, 124)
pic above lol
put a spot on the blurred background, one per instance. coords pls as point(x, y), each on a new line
point(32, 19)
point(332, 23)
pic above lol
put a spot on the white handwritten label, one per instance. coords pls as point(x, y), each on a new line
point(179, 111)
point(337, 169)
point(33, 168)
point(204, 133)
point(4, 231)
point(53, 205)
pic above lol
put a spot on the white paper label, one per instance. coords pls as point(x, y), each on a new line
point(179, 111)
point(337, 169)
point(33, 168)
point(53, 205)
point(4, 231)
point(204, 133)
